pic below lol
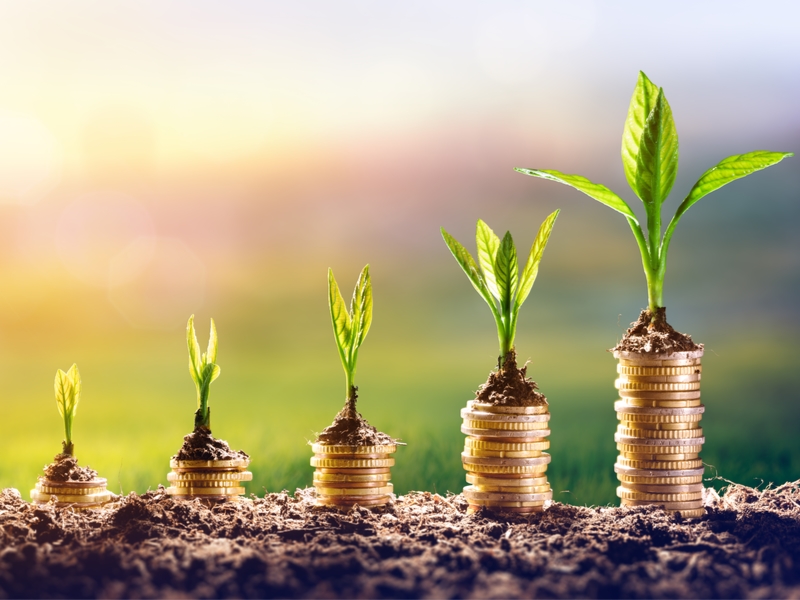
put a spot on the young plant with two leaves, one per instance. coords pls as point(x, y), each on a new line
point(497, 279)
point(650, 162)
point(68, 395)
point(204, 369)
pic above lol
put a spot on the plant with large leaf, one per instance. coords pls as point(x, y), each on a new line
point(650, 162)
point(350, 327)
point(68, 395)
point(496, 276)
point(204, 369)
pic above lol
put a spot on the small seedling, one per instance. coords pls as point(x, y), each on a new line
point(68, 394)
point(650, 161)
point(350, 328)
point(204, 369)
point(497, 279)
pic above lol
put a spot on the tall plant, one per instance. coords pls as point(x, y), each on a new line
point(650, 161)
point(497, 279)
point(204, 369)
point(68, 395)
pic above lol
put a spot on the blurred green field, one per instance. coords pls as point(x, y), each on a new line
point(275, 391)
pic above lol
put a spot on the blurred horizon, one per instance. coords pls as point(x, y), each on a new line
point(162, 159)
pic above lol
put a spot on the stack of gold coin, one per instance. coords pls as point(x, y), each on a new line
point(659, 437)
point(209, 480)
point(350, 475)
point(72, 494)
point(503, 456)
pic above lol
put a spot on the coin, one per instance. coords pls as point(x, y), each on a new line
point(693, 513)
point(647, 379)
point(344, 477)
point(502, 434)
point(621, 406)
point(670, 359)
point(506, 446)
point(209, 464)
point(370, 471)
point(666, 434)
point(477, 415)
point(669, 371)
point(497, 480)
point(511, 410)
point(331, 491)
point(514, 489)
point(637, 441)
point(632, 482)
point(627, 494)
point(659, 395)
point(473, 493)
point(235, 476)
point(630, 472)
point(657, 387)
point(204, 491)
point(681, 506)
point(675, 465)
point(213, 483)
point(502, 454)
point(648, 402)
point(504, 505)
point(93, 498)
point(335, 449)
point(351, 463)
point(509, 425)
point(659, 457)
point(658, 425)
point(664, 488)
point(494, 469)
point(508, 462)
point(349, 501)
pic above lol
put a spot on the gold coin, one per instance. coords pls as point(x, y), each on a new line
point(349, 501)
point(521, 489)
point(331, 491)
point(516, 462)
point(234, 476)
point(659, 394)
point(503, 504)
point(343, 477)
point(657, 387)
point(630, 449)
point(502, 454)
point(351, 471)
point(693, 513)
point(521, 510)
point(334, 449)
point(659, 457)
point(627, 494)
point(528, 435)
point(665, 425)
point(58, 491)
point(649, 371)
point(206, 484)
point(351, 463)
point(205, 491)
point(509, 480)
point(688, 505)
point(506, 425)
point(658, 443)
point(674, 465)
point(494, 469)
point(658, 379)
point(478, 415)
point(664, 434)
point(676, 359)
point(629, 480)
point(664, 488)
point(209, 464)
point(630, 472)
point(473, 493)
point(624, 407)
point(98, 497)
point(506, 446)
point(364, 486)
point(508, 410)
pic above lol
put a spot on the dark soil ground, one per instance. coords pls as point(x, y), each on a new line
point(423, 545)
point(65, 468)
point(201, 445)
point(510, 386)
point(349, 428)
point(650, 335)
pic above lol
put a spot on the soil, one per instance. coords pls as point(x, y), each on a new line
point(349, 428)
point(423, 545)
point(648, 335)
point(65, 468)
point(201, 445)
point(510, 386)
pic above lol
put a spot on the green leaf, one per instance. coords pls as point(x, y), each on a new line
point(75, 378)
point(211, 353)
point(730, 169)
point(594, 190)
point(210, 372)
point(642, 103)
point(361, 308)
point(532, 265)
point(657, 162)
point(63, 389)
point(506, 270)
point(488, 244)
point(195, 358)
point(340, 318)
point(464, 258)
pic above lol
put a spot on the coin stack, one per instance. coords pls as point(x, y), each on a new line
point(72, 494)
point(209, 480)
point(350, 475)
point(659, 436)
point(503, 456)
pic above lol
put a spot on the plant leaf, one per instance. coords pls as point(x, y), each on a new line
point(730, 169)
point(506, 270)
point(594, 190)
point(195, 358)
point(657, 162)
point(211, 352)
point(488, 244)
point(340, 318)
point(75, 378)
point(464, 258)
point(642, 103)
point(532, 265)
point(63, 389)
point(362, 316)
point(210, 372)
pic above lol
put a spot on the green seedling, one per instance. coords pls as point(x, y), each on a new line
point(350, 327)
point(68, 394)
point(204, 369)
point(650, 161)
point(497, 279)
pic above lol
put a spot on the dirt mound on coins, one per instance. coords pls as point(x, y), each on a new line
point(65, 468)
point(655, 336)
point(349, 428)
point(201, 445)
point(510, 386)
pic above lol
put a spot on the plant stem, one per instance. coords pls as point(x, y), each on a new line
point(351, 391)
point(68, 448)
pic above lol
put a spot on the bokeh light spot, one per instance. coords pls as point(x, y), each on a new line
point(30, 159)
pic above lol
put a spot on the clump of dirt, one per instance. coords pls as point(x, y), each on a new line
point(648, 335)
point(201, 445)
point(65, 468)
point(510, 386)
point(349, 428)
point(423, 545)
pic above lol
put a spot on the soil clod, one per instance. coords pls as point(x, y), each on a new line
point(201, 445)
point(349, 428)
point(65, 468)
point(654, 335)
point(510, 386)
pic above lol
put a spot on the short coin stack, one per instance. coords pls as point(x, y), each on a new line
point(659, 436)
point(72, 494)
point(209, 480)
point(350, 475)
point(503, 456)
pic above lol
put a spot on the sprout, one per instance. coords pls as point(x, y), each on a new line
point(68, 394)
point(350, 327)
point(498, 281)
point(650, 161)
point(204, 370)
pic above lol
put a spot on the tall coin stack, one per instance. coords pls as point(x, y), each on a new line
point(209, 480)
point(348, 475)
point(659, 436)
point(503, 456)
point(72, 494)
